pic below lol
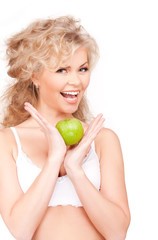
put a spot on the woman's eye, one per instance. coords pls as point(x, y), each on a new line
point(84, 69)
point(61, 70)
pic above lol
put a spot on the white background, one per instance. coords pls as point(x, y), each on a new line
point(123, 87)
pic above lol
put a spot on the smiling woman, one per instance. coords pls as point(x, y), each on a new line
point(68, 84)
point(50, 190)
point(71, 96)
point(45, 44)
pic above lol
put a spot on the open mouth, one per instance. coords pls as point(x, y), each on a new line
point(69, 94)
point(70, 97)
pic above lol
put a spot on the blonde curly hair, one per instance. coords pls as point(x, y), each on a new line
point(44, 44)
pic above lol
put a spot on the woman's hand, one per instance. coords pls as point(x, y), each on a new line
point(56, 144)
point(75, 154)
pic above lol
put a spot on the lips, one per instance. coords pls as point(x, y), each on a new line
point(70, 96)
point(70, 93)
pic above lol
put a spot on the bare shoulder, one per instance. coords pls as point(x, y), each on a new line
point(107, 133)
point(5, 135)
point(4, 131)
point(6, 142)
point(107, 142)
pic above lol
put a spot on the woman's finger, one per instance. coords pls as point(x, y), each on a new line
point(95, 122)
point(99, 126)
point(36, 115)
point(91, 132)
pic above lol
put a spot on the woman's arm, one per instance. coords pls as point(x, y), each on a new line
point(21, 212)
point(108, 209)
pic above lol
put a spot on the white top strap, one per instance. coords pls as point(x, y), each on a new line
point(16, 138)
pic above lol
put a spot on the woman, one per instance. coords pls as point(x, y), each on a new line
point(50, 190)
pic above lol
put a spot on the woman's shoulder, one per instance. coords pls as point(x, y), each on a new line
point(6, 144)
point(5, 134)
point(106, 140)
point(6, 138)
point(106, 133)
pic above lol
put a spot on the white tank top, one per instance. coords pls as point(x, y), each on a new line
point(64, 191)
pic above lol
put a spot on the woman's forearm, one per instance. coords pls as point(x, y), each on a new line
point(108, 218)
point(28, 211)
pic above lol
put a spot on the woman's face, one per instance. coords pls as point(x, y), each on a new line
point(62, 90)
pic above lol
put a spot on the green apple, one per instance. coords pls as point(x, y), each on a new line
point(71, 130)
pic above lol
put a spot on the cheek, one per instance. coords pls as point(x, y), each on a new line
point(51, 85)
point(85, 82)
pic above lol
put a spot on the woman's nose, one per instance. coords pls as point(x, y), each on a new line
point(73, 79)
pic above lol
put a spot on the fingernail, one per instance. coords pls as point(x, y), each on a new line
point(26, 103)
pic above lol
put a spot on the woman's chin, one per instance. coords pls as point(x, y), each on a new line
point(71, 109)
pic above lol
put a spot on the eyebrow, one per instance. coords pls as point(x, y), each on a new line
point(83, 64)
point(80, 66)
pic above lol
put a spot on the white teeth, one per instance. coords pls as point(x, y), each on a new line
point(71, 93)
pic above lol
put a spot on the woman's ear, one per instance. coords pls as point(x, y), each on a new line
point(35, 80)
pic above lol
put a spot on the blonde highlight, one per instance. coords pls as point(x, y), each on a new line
point(44, 44)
